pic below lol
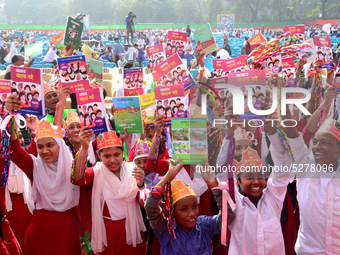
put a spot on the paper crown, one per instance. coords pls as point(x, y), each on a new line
point(47, 88)
point(240, 134)
point(109, 139)
point(142, 149)
point(180, 190)
point(329, 127)
point(71, 118)
point(250, 158)
point(46, 129)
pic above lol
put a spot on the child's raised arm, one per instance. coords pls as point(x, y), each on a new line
point(152, 203)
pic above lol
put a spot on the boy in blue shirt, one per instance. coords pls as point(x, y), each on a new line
point(189, 233)
point(188, 57)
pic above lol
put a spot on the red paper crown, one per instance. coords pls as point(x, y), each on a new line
point(250, 158)
point(109, 139)
point(240, 134)
point(46, 129)
point(329, 127)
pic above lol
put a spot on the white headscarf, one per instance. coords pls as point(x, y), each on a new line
point(108, 188)
point(52, 188)
point(12, 52)
point(18, 183)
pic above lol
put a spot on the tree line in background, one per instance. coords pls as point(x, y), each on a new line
point(51, 12)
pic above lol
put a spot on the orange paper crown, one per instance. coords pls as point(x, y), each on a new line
point(46, 129)
point(180, 190)
point(329, 127)
point(47, 88)
point(71, 118)
point(250, 158)
point(109, 139)
point(240, 134)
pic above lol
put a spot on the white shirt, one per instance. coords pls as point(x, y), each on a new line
point(257, 230)
point(132, 53)
point(318, 195)
point(141, 42)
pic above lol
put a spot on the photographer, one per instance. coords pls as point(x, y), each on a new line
point(129, 24)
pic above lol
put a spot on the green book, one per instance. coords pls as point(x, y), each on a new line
point(33, 51)
point(189, 140)
point(205, 40)
point(96, 71)
point(73, 31)
point(127, 114)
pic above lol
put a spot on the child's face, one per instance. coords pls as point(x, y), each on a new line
point(326, 149)
point(186, 212)
point(251, 183)
point(141, 163)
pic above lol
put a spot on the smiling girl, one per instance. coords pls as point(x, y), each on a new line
point(116, 216)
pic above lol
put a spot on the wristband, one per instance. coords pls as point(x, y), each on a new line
point(202, 68)
point(141, 185)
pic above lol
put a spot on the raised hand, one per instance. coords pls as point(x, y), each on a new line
point(12, 103)
point(32, 122)
point(85, 137)
point(208, 175)
point(64, 93)
point(139, 175)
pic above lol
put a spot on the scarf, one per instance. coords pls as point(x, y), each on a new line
point(52, 189)
point(108, 188)
point(18, 183)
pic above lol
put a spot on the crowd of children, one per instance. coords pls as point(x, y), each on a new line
point(75, 192)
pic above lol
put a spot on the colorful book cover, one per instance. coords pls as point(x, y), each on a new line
point(298, 30)
point(27, 84)
point(148, 104)
point(96, 68)
point(336, 81)
point(127, 114)
point(324, 51)
point(234, 65)
point(33, 51)
point(156, 55)
point(288, 71)
point(256, 40)
point(73, 31)
point(252, 84)
point(133, 81)
point(218, 68)
point(205, 39)
point(58, 38)
point(220, 85)
point(157, 78)
point(92, 111)
point(5, 91)
point(208, 63)
point(173, 72)
point(170, 102)
point(274, 65)
point(189, 140)
point(73, 72)
point(176, 43)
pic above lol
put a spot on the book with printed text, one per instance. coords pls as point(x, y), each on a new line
point(205, 39)
point(127, 114)
point(27, 84)
point(92, 111)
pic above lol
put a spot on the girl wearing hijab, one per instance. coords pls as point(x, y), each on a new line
point(117, 220)
point(54, 228)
